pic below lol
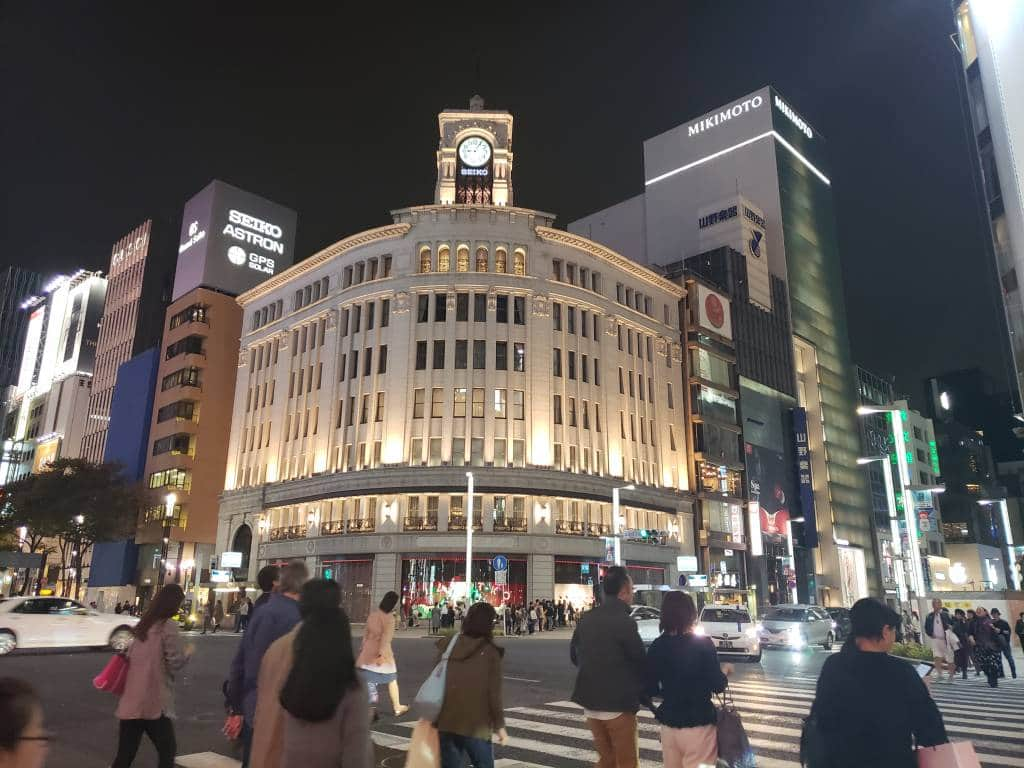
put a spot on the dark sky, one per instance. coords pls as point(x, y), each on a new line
point(113, 112)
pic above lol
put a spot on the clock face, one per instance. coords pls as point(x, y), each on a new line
point(474, 151)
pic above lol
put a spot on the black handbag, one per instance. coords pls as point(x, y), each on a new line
point(813, 750)
point(733, 745)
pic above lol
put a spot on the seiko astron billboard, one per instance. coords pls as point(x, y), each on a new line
point(232, 240)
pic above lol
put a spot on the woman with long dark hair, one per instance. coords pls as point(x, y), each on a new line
point(23, 740)
point(147, 704)
point(376, 656)
point(472, 708)
point(311, 707)
point(987, 654)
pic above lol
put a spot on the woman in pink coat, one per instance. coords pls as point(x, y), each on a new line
point(147, 704)
point(376, 658)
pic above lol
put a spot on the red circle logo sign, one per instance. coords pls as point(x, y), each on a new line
point(714, 310)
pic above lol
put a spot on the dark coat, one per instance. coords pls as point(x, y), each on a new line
point(607, 649)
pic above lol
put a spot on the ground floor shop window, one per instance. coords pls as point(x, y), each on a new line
point(355, 578)
point(441, 580)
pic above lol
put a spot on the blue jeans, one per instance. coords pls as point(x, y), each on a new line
point(454, 749)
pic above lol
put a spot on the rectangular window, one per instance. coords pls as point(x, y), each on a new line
point(461, 354)
point(501, 355)
point(632, 387)
point(350, 415)
point(556, 362)
point(371, 309)
point(557, 455)
point(556, 316)
point(632, 427)
point(418, 396)
point(353, 367)
point(382, 359)
point(386, 271)
point(558, 409)
point(439, 355)
point(459, 451)
point(385, 313)
point(357, 315)
point(629, 341)
point(421, 355)
point(572, 365)
point(476, 448)
point(650, 389)
point(416, 452)
point(460, 402)
point(422, 308)
point(518, 404)
point(584, 374)
point(622, 382)
point(586, 414)
point(479, 355)
point(500, 403)
point(671, 438)
point(479, 307)
point(556, 269)
point(461, 307)
point(368, 361)
point(571, 319)
point(478, 403)
point(500, 457)
point(434, 459)
point(502, 309)
point(436, 403)
point(597, 417)
point(519, 357)
point(584, 325)
point(670, 402)
point(440, 307)
point(364, 410)
point(572, 411)
point(618, 332)
point(518, 453)
point(378, 413)
point(640, 385)
point(519, 310)
point(622, 425)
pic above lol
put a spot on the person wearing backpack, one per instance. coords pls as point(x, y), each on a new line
point(147, 704)
point(472, 709)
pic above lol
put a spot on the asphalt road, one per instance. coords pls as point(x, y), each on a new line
point(537, 670)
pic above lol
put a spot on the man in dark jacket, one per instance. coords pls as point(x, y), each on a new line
point(1003, 638)
point(276, 618)
point(268, 579)
point(607, 649)
point(871, 708)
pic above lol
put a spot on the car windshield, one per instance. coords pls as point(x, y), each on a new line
point(786, 614)
point(836, 613)
point(725, 615)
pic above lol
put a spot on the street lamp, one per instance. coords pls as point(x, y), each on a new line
point(616, 521)
point(469, 536)
point(1009, 537)
point(894, 525)
point(169, 501)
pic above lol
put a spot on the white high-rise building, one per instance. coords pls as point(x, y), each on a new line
point(468, 336)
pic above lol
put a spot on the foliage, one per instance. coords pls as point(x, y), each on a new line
point(914, 651)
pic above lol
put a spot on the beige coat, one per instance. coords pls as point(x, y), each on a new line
point(283, 741)
point(376, 648)
point(152, 664)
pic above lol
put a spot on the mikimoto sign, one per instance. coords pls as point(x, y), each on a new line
point(232, 240)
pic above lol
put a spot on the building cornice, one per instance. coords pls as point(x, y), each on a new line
point(459, 207)
point(550, 235)
point(389, 232)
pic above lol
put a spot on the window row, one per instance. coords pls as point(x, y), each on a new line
point(347, 410)
point(181, 409)
point(634, 299)
point(196, 313)
point(351, 318)
point(180, 479)
point(574, 275)
point(501, 308)
point(190, 345)
point(268, 314)
point(627, 376)
point(179, 443)
point(585, 366)
point(260, 395)
point(303, 377)
point(572, 418)
point(309, 336)
point(573, 459)
point(349, 364)
point(183, 377)
point(311, 293)
point(472, 400)
point(438, 354)
point(263, 355)
point(642, 342)
point(307, 422)
point(364, 271)
point(588, 323)
point(480, 261)
point(644, 432)
point(257, 436)
point(428, 451)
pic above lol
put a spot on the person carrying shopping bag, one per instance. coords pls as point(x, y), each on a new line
point(147, 704)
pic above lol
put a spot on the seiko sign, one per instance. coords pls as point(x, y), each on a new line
point(736, 110)
point(794, 118)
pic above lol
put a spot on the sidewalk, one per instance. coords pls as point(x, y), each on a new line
point(562, 633)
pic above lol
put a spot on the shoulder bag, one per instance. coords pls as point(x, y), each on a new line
point(430, 697)
point(733, 745)
point(114, 675)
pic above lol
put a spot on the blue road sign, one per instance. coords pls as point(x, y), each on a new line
point(500, 563)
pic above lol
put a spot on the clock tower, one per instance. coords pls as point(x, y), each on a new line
point(474, 156)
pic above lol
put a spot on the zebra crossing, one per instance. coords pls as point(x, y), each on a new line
point(555, 735)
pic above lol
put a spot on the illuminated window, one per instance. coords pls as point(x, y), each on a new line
point(478, 403)
point(500, 400)
point(462, 259)
point(424, 259)
point(500, 260)
point(519, 262)
point(444, 261)
point(460, 402)
point(481, 259)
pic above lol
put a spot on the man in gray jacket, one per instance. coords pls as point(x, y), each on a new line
point(607, 649)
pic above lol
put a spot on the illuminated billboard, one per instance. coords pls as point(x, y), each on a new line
point(232, 240)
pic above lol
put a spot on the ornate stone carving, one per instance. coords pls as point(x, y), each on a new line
point(492, 299)
point(284, 340)
point(611, 325)
point(401, 303)
point(661, 346)
point(450, 301)
point(540, 306)
point(332, 320)
point(677, 353)
point(242, 355)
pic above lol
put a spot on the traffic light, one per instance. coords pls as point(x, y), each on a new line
point(328, 573)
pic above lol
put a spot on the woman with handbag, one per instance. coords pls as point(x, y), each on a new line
point(147, 704)
point(870, 708)
point(683, 670)
point(472, 708)
point(377, 657)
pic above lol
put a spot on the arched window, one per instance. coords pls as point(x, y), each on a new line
point(424, 259)
point(242, 542)
point(462, 259)
point(519, 262)
point(500, 260)
point(481, 259)
point(444, 260)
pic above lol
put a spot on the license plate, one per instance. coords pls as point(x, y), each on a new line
point(725, 644)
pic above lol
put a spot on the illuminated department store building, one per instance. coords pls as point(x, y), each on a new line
point(467, 336)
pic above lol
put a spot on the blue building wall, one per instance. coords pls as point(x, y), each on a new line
point(113, 563)
point(131, 409)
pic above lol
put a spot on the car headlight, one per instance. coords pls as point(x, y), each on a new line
point(699, 630)
point(192, 617)
point(751, 631)
point(834, 625)
point(796, 639)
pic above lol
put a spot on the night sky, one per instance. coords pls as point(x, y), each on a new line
point(112, 113)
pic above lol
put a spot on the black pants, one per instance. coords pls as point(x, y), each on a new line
point(160, 732)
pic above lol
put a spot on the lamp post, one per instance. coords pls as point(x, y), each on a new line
point(1008, 534)
point(469, 536)
point(616, 521)
point(894, 525)
point(169, 501)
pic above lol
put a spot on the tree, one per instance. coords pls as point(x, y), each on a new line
point(69, 507)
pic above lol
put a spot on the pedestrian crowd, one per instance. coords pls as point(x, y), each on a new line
point(299, 696)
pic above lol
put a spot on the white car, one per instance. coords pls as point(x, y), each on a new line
point(57, 622)
point(731, 630)
point(648, 621)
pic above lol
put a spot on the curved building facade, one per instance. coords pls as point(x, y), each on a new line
point(465, 337)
